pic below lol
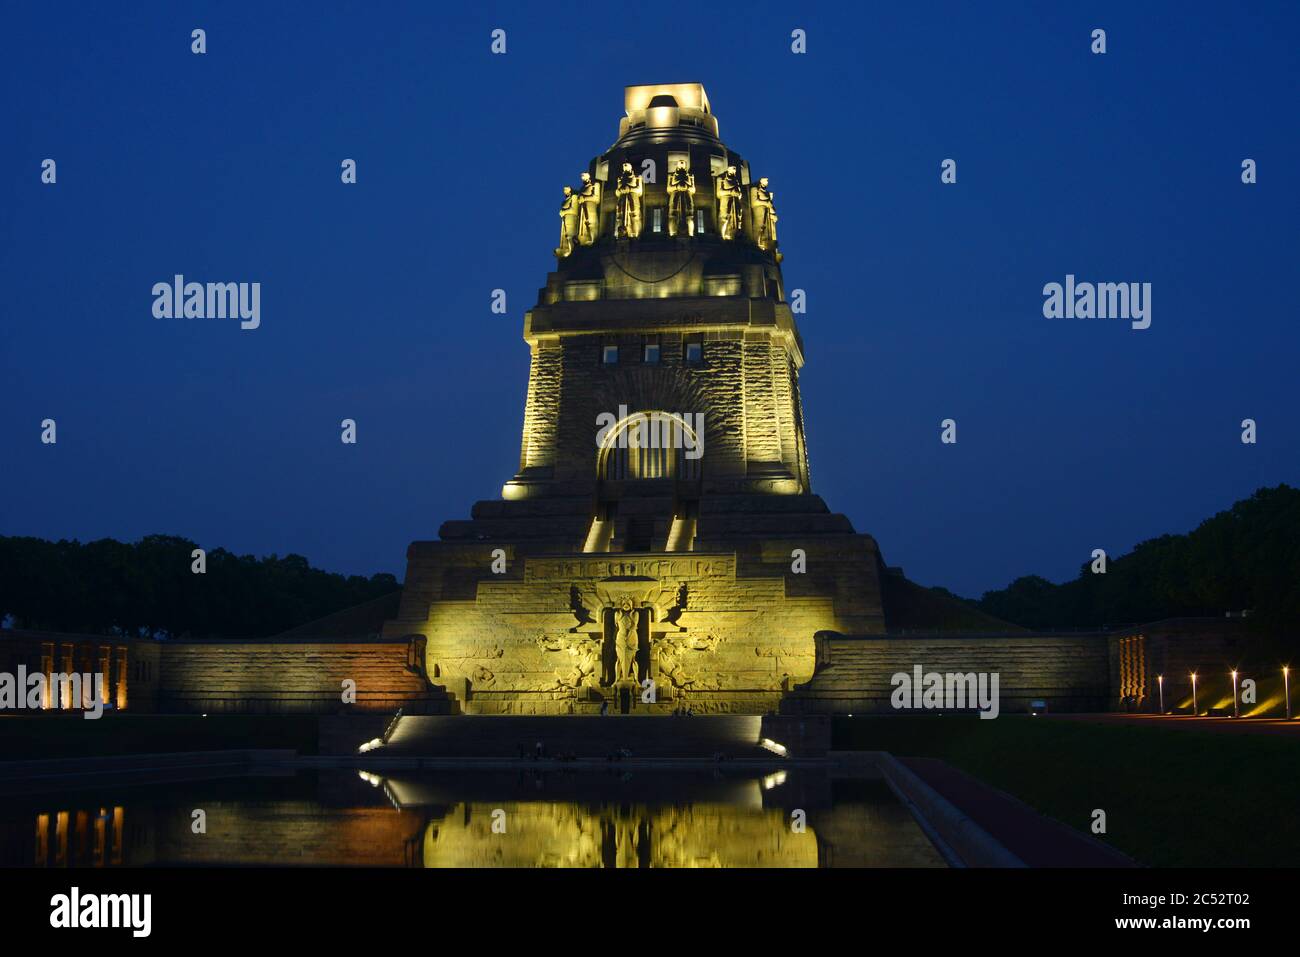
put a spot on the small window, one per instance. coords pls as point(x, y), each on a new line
point(609, 355)
point(694, 351)
point(651, 353)
point(657, 219)
point(699, 222)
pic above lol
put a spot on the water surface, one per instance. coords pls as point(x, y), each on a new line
point(517, 818)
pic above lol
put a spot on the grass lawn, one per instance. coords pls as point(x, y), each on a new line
point(23, 738)
point(1172, 797)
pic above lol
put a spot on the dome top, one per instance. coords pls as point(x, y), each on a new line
point(667, 106)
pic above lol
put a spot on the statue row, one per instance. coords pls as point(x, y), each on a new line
point(580, 211)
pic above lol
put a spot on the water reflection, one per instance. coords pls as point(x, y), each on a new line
point(626, 836)
point(639, 819)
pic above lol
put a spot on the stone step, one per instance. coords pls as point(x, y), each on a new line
point(736, 736)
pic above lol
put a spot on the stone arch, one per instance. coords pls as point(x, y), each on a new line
point(650, 444)
point(675, 390)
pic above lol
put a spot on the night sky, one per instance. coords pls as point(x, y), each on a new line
point(924, 300)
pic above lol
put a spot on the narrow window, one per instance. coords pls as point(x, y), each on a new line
point(651, 352)
point(657, 219)
point(694, 351)
point(609, 355)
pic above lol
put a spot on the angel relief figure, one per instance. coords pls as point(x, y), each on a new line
point(625, 617)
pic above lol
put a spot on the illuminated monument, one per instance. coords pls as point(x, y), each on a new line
point(661, 527)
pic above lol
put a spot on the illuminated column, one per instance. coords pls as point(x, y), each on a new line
point(47, 669)
point(119, 820)
point(122, 665)
point(61, 839)
point(69, 667)
point(106, 670)
point(101, 837)
point(81, 843)
point(42, 840)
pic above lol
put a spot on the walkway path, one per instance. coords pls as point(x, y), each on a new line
point(1037, 840)
point(1188, 722)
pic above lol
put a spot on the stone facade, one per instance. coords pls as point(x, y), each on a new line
point(223, 677)
point(853, 676)
point(613, 571)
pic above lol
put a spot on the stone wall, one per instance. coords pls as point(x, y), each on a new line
point(288, 677)
point(746, 386)
point(1071, 673)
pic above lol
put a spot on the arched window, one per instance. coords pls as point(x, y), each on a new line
point(651, 445)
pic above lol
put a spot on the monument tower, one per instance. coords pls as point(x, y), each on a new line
point(660, 544)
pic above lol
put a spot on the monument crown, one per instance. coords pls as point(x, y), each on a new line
point(667, 105)
point(680, 207)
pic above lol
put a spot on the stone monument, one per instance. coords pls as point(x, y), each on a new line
point(660, 546)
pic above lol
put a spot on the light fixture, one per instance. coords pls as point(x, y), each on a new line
point(1195, 710)
point(1286, 684)
point(1160, 682)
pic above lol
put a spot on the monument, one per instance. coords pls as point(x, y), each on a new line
point(660, 546)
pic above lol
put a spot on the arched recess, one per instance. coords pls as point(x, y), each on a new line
point(651, 445)
point(649, 448)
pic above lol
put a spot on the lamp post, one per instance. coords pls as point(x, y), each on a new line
point(1160, 683)
point(1235, 712)
point(1195, 710)
point(1286, 683)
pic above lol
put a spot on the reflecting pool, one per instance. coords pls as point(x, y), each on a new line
point(509, 818)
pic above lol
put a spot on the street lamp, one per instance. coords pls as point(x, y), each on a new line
point(1160, 683)
point(1235, 712)
point(1286, 683)
point(1195, 710)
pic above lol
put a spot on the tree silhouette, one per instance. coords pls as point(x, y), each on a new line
point(148, 589)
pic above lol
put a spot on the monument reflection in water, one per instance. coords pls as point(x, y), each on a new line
point(726, 825)
point(482, 819)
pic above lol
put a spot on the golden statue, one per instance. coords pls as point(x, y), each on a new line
point(627, 193)
point(588, 210)
point(681, 200)
point(762, 215)
point(568, 222)
point(728, 192)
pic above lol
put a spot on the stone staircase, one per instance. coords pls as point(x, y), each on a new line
point(509, 736)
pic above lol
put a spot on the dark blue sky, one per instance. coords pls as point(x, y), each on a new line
point(925, 301)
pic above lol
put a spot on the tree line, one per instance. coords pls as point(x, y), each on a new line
point(1246, 558)
point(147, 588)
